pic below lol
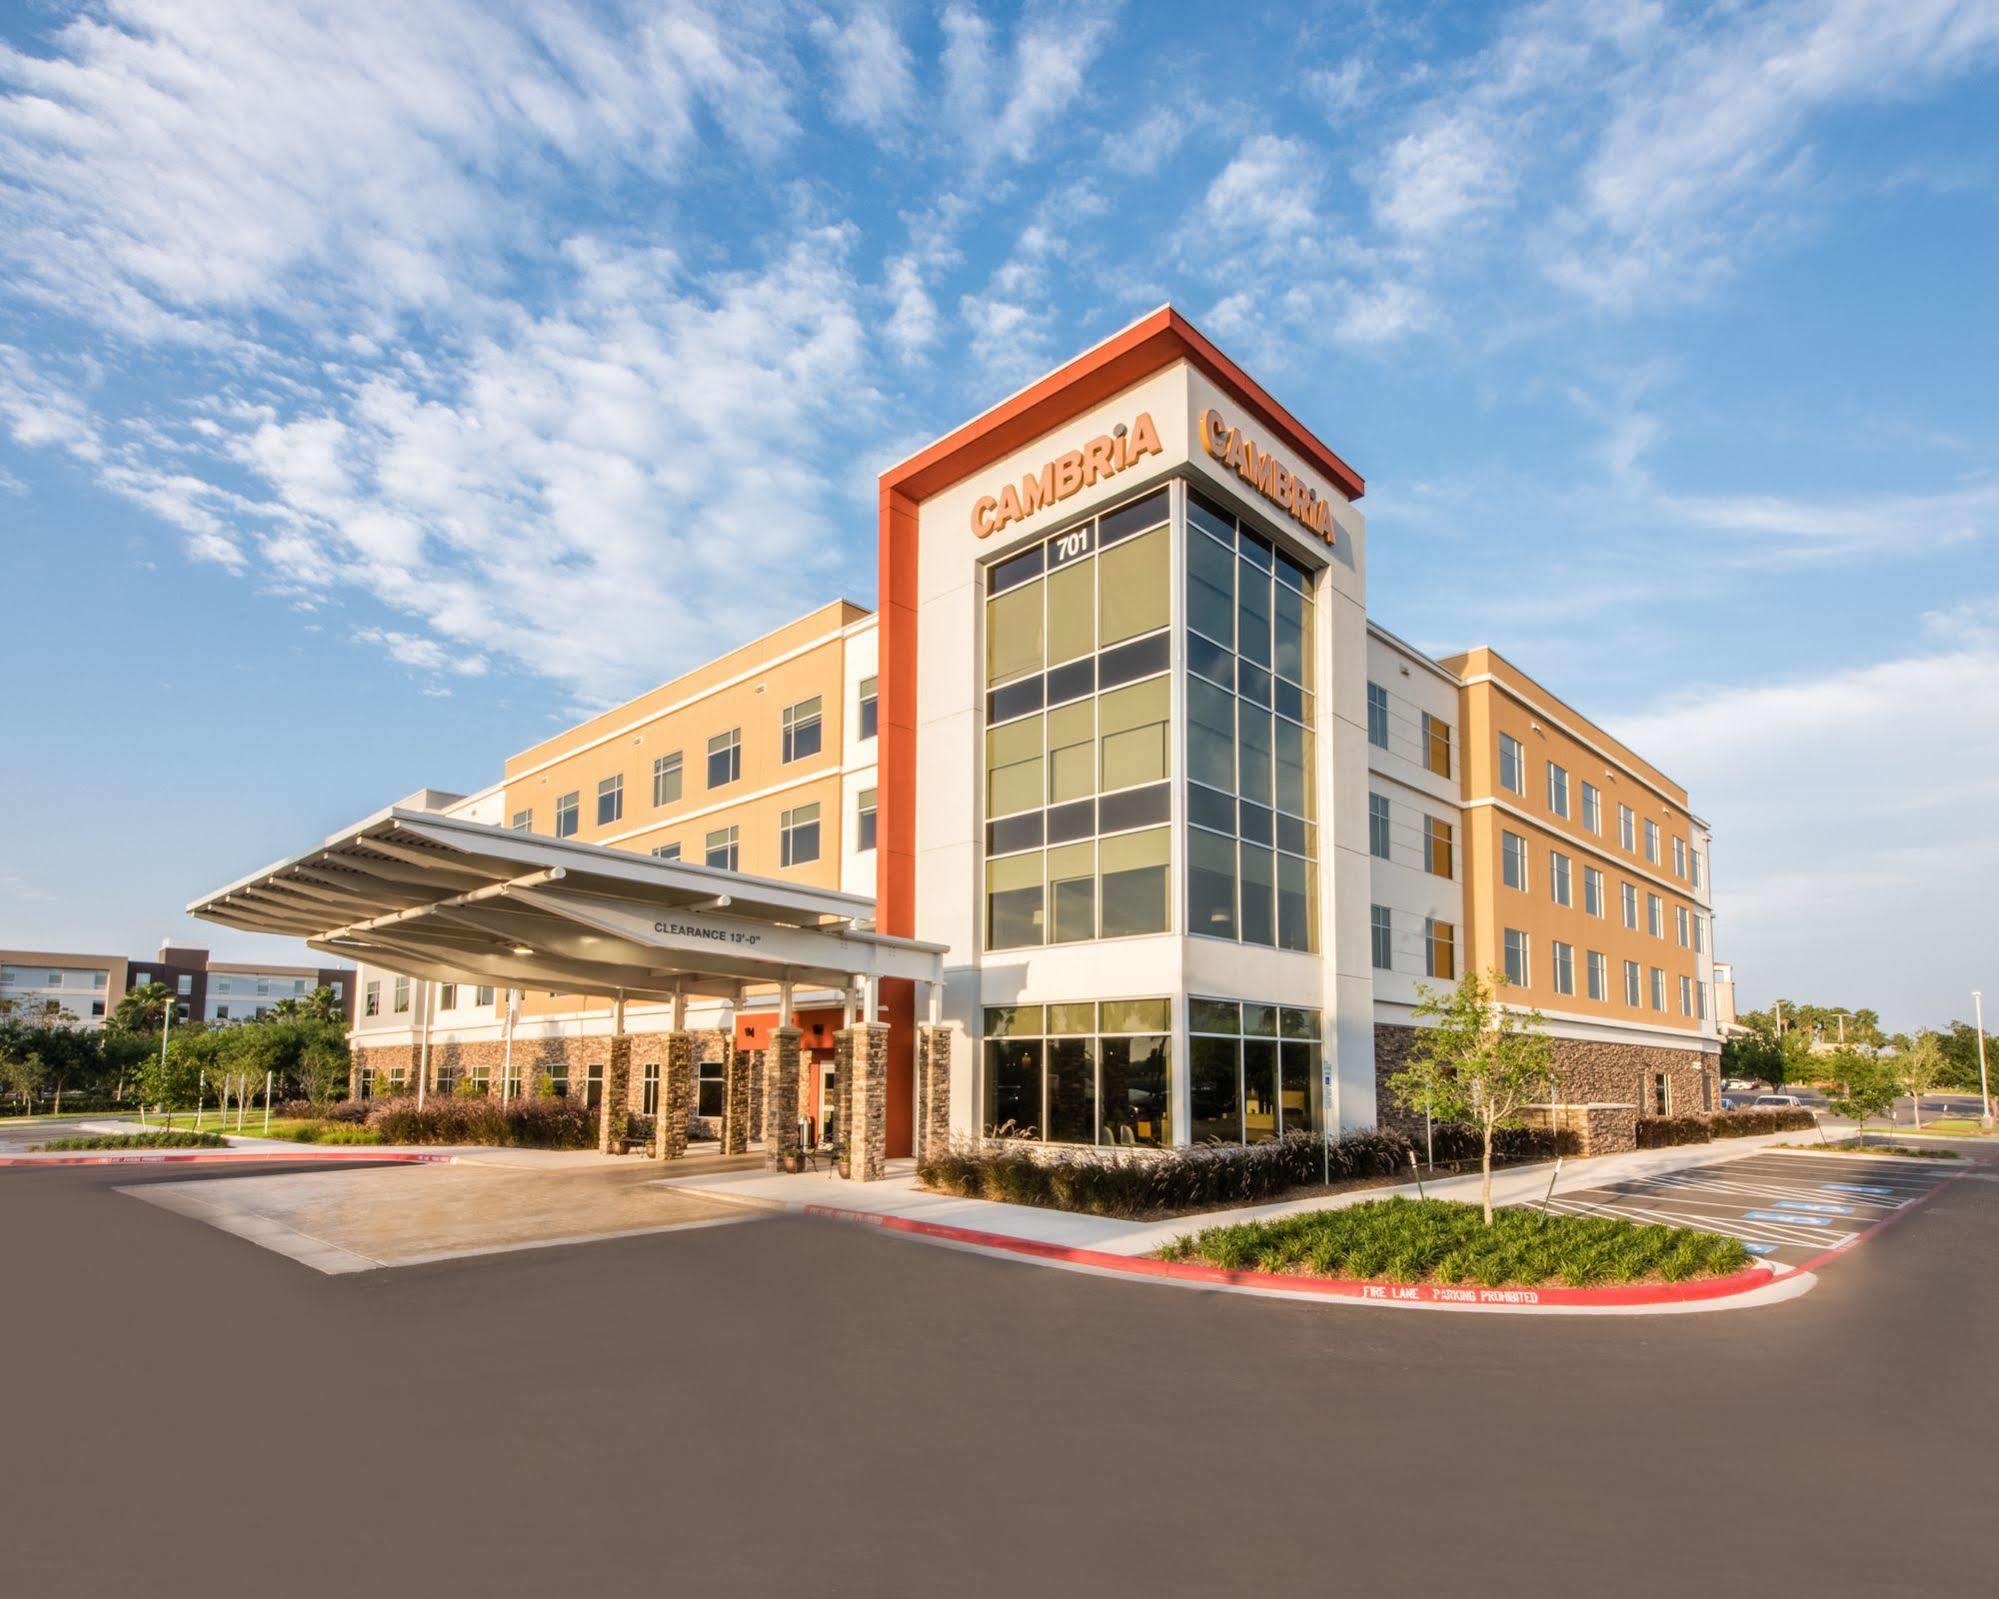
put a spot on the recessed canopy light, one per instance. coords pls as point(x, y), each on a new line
point(522, 949)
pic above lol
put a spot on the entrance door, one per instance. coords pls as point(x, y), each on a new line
point(825, 1094)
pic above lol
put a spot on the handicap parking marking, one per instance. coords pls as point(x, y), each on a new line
point(1859, 1188)
point(1790, 1220)
point(1819, 1206)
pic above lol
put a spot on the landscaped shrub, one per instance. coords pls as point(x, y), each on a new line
point(1748, 1123)
point(352, 1111)
point(1405, 1240)
point(159, 1139)
point(1206, 1177)
point(535, 1123)
point(1662, 1132)
point(327, 1132)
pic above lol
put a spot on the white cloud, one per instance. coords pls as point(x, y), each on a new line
point(1440, 173)
point(40, 413)
point(1708, 124)
point(874, 80)
point(1784, 530)
point(1006, 101)
point(1857, 802)
point(176, 164)
point(1270, 186)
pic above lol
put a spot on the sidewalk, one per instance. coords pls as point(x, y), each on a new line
point(897, 1196)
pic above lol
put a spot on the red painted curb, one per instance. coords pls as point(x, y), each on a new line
point(1748, 1278)
point(221, 1157)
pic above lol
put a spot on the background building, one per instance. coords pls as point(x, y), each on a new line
point(90, 986)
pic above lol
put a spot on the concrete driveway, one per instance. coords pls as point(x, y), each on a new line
point(360, 1219)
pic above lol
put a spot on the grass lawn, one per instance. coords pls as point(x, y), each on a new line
point(1952, 1127)
point(66, 1116)
point(1879, 1146)
point(1441, 1241)
point(160, 1139)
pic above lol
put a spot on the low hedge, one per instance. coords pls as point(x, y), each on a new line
point(539, 1122)
point(1206, 1177)
point(159, 1139)
point(1749, 1123)
point(1662, 1132)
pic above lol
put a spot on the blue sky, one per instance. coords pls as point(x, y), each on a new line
point(382, 384)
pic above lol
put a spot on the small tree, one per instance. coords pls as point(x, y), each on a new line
point(1923, 1066)
point(27, 1074)
point(1866, 1088)
point(1478, 1062)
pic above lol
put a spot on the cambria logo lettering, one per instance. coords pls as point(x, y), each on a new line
point(1104, 456)
point(1263, 472)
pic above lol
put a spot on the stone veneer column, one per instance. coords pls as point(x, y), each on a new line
point(868, 1097)
point(735, 1097)
point(616, 1105)
point(933, 1091)
point(676, 1097)
point(353, 1076)
point(759, 1128)
point(781, 1141)
point(843, 1077)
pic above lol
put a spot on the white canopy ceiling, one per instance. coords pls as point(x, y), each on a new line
point(446, 899)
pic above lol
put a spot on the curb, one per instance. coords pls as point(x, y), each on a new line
point(222, 1157)
point(1754, 1284)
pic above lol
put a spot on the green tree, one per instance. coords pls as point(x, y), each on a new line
point(1753, 1057)
point(1922, 1067)
point(319, 1005)
point(26, 1073)
point(1960, 1047)
point(141, 1012)
point(1478, 1061)
point(1863, 1088)
point(170, 1081)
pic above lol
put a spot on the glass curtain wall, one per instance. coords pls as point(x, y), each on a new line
point(1251, 1070)
point(1077, 759)
point(1098, 1072)
point(1252, 840)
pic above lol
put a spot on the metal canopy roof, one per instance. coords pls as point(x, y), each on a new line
point(446, 899)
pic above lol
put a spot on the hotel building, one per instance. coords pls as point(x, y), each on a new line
point(1182, 829)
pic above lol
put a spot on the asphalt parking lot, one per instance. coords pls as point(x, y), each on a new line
point(1787, 1209)
point(802, 1405)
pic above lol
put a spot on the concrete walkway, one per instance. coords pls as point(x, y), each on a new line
point(898, 1195)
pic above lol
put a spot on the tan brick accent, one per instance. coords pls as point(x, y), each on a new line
point(843, 1081)
point(933, 1090)
point(868, 1101)
point(735, 1097)
point(782, 1144)
point(616, 1106)
point(1599, 1129)
point(676, 1097)
point(1591, 1071)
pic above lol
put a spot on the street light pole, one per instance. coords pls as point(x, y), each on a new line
point(166, 1027)
point(1984, 1090)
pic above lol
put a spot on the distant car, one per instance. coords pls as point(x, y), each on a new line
point(1738, 1085)
point(1777, 1102)
point(1735, 1101)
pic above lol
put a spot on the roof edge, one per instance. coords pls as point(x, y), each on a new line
point(1153, 342)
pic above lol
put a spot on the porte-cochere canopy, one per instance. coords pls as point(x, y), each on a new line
point(446, 899)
